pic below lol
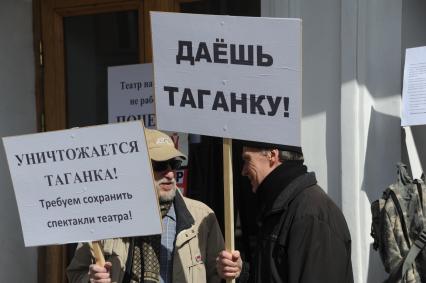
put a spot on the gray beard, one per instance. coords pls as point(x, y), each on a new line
point(168, 197)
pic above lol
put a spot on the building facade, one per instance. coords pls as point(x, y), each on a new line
point(353, 59)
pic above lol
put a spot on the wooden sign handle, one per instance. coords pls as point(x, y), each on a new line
point(228, 190)
point(97, 252)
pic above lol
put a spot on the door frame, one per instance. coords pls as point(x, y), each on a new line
point(50, 74)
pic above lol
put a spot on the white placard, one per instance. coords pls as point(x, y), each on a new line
point(232, 77)
point(83, 184)
point(414, 87)
point(131, 94)
point(131, 97)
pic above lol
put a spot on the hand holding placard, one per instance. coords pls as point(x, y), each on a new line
point(231, 77)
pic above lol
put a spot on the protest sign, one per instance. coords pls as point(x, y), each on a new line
point(182, 180)
point(83, 184)
point(131, 98)
point(414, 87)
point(232, 77)
point(131, 94)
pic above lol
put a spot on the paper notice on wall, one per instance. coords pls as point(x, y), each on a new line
point(414, 88)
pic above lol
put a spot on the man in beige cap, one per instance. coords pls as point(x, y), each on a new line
point(184, 252)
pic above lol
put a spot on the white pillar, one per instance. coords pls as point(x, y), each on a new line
point(351, 101)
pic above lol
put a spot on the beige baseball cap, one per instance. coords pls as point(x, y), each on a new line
point(161, 146)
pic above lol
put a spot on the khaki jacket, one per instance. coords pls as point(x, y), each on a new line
point(198, 242)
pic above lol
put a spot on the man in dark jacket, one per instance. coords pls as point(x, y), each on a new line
point(303, 236)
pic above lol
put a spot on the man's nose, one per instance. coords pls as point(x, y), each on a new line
point(169, 173)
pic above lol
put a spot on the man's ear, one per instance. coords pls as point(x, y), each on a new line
point(274, 157)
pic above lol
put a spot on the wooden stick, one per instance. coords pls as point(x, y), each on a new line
point(97, 252)
point(228, 196)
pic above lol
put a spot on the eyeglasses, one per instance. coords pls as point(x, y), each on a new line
point(172, 164)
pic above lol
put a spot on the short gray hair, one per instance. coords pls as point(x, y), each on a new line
point(285, 155)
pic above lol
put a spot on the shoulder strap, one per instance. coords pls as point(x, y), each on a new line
point(415, 249)
point(404, 265)
point(420, 242)
point(420, 191)
point(401, 216)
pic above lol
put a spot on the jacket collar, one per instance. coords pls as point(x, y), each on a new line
point(184, 219)
point(282, 185)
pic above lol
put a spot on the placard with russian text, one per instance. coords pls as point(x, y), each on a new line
point(131, 94)
point(232, 77)
point(83, 184)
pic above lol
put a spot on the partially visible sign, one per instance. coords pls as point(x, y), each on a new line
point(232, 77)
point(131, 97)
point(182, 180)
point(180, 141)
point(83, 184)
point(131, 94)
point(414, 87)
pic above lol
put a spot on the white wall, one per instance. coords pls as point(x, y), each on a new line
point(321, 85)
point(375, 126)
point(351, 101)
point(17, 116)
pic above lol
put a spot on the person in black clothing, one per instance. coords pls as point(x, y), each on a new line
point(303, 236)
